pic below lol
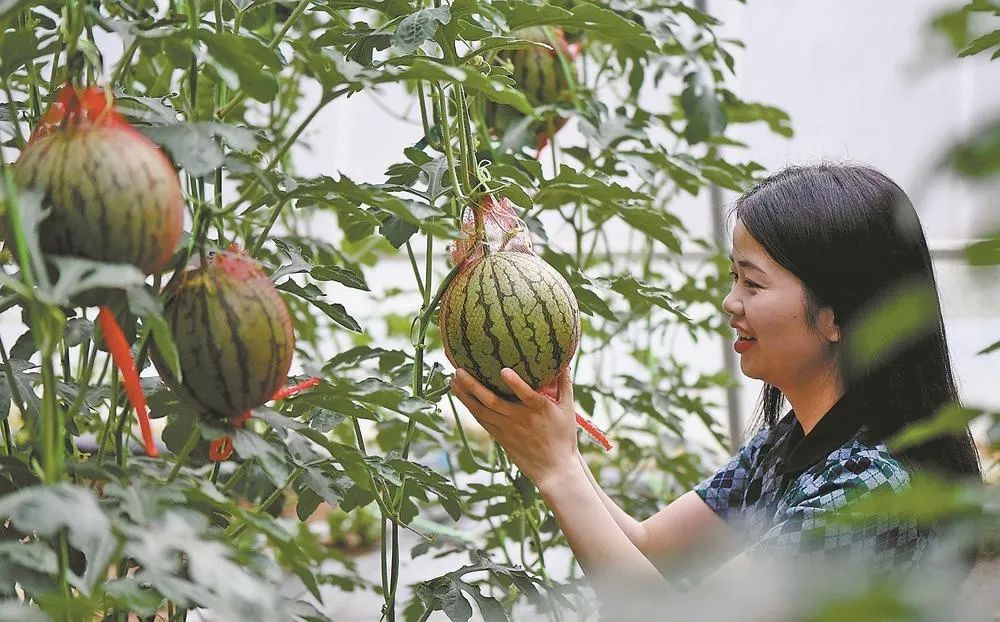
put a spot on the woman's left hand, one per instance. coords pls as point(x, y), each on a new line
point(539, 435)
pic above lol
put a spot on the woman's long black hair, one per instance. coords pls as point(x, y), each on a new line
point(852, 236)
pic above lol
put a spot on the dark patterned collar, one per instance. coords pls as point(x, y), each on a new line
point(841, 423)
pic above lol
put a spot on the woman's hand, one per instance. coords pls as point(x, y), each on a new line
point(538, 434)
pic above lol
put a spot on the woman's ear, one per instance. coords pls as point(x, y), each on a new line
point(828, 325)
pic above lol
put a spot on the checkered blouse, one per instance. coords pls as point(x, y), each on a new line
point(781, 487)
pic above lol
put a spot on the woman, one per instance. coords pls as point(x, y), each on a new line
point(815, 249)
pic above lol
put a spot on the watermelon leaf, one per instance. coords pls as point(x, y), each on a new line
point(419, 27)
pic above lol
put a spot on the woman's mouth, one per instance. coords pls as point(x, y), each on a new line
point(743, 343)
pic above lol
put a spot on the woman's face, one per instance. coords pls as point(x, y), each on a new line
point(768, 303)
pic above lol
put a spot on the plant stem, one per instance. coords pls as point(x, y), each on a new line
point(467, 157)
point(272, 218)
point(8, 440)
point(126, 62)
point(232, 532)
point(277, 157)
point(433, 144)
point(237, 474)
point(189, 444)
point(439, 100)
point(214, 475)
point(416, 272)
point(52, 424)
point(465, 439)
point(12, 109)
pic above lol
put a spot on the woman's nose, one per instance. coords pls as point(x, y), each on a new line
point(731, 304)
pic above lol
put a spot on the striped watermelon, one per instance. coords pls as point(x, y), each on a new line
point(113, 195)
point(233, 334)
point(510, 309)
point(539, 73)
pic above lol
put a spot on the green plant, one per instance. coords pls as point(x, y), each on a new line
point(226, 89)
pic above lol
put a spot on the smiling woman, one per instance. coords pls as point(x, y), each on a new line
point(816, 251)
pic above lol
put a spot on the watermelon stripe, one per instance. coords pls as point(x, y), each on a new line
point(214, 362)
point(152, 228)
point(186, 348)
point(35, 163)
point(59, 198)
point(242, 357)
point(533, 364)
point(273, 376)
point(477, 366)
point(193, 349)
point(469, 358)
point(108, 191)
point(493, 359)
point(275, 341)
point(550, 321)
point(524, 363)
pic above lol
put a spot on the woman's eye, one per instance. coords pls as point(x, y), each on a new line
point(749, 284)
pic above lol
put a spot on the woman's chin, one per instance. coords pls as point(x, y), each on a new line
point(748, 370)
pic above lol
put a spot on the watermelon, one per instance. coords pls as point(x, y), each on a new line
point(539, 73)
point(509, 309)
point(113, 195)
point(233, 334)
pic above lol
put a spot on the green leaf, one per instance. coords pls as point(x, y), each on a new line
point(194, 146)
point(78, 329)
point(311, 293)
point(644, 295)
point(77, 276)
point(902, 315)
point(16, 49)
point(272, 460)
point(978, 157)
point(397, 231)
point(31, 555)
point(419, 27)
point(490, 607)
point(443, 594)
point(297, 262)
point(133, 596)
point(323, 420)
point(982, 43)
point(494, 89)
point(340, 274)
point(656, 223)
point(702, 107)
point(24, 347)
point(243, 62)
point(739, 111)
point(522, 14)
point(571, 185)
point(601, 23)
point(431, 481)
point(329, 483)
point(388, 359)
point(985, 252)
point(951, 419)
point(48, 510)
point(9, 8)
point(989, 349)
point(25, 388)
point(146, 306)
